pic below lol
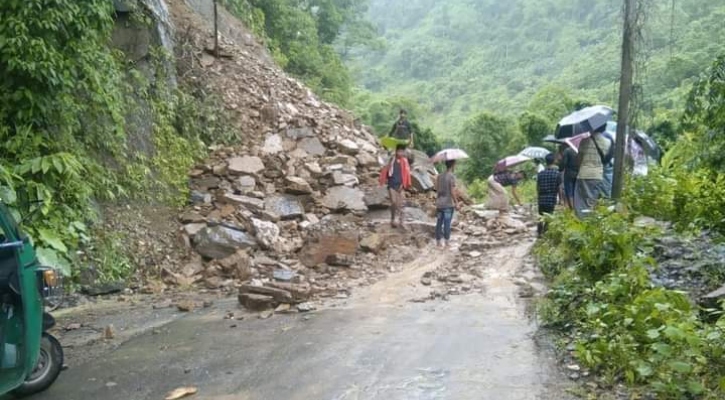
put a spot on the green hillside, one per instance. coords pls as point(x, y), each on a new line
point(455, 58)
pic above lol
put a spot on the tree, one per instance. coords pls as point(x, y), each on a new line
point(534, 127)
point(488, 138)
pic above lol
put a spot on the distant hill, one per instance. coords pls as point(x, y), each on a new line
point(458, 57)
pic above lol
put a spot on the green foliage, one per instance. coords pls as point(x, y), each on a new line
point(622, 328)
point(705, 115)
point(65, 129)
point(534, 127)
point(301, 36)
point(489, 138)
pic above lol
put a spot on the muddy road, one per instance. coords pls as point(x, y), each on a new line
point(377, 345)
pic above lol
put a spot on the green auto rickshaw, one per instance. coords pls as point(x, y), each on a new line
point(30, 358)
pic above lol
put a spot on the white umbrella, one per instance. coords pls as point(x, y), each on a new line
point(449, 154)
point(534, 152)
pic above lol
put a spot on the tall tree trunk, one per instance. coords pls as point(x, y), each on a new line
point(216, 31)
point(625, 92)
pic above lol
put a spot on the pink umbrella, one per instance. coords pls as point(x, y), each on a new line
point(449, 154)
point(575, 141)
point(510, 161)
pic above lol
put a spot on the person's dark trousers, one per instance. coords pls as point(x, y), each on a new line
point(443, 224)
point(543, 226)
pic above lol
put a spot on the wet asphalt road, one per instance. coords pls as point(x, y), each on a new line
point(379, 346)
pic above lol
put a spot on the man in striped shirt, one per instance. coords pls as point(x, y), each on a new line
point(547, 189)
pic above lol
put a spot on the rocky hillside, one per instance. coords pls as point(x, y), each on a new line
point(293, 210)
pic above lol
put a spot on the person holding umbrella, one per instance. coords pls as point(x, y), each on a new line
point(446, 203)
point(593, 156)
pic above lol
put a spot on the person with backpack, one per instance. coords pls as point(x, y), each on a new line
point(594, 153)
point(402, 130)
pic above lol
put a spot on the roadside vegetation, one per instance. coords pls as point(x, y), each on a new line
point(621, 325)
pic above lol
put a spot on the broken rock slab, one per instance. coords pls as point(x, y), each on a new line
point(219, 242)
point(372, 243)
point(256, 302)
point(341, 198)
point(250, 203)
point(296, 185)
point(280, 295)
point(273, 144)
point(287, 207)
point(340, 260)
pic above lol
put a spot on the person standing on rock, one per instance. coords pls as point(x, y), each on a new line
point(497, 197)
point(548, 182)
point(402, 130)
point(397, 176)
point(446, 203)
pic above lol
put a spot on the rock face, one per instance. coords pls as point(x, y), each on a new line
point(220, 241)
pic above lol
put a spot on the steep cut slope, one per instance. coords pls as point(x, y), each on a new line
point(289, 207)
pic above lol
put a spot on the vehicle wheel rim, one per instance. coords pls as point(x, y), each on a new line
point(41, 368)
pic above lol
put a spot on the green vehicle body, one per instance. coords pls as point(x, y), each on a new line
point(22, 308)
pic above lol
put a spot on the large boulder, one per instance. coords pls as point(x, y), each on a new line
point(317, 250)
point(246, 165)
point(341, 198)
point(421, 180)
point(287, 207)
point(219, 241)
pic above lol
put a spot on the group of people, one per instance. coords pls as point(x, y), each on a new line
point(396, 176)
point(578, 179)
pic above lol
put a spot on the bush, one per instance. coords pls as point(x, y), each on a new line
point(622, 327)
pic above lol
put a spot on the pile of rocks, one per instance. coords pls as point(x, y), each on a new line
point(284, 215)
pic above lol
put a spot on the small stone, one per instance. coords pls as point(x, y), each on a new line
point(109, 332)
point(284, 307)
point(287, 207)
point(426, 281)
point(73, 327)
point(266, 314)
point(305, 307)
point(475, 254)
point(186, 306)
point(267, 233)
point(340, 260)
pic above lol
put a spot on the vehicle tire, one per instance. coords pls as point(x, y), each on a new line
point(50, 363)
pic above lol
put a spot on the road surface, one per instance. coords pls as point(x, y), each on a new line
point(378, 345)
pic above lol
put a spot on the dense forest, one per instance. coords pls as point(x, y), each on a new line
point(458, 57)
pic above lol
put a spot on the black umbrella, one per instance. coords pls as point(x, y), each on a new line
point(584, 120)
